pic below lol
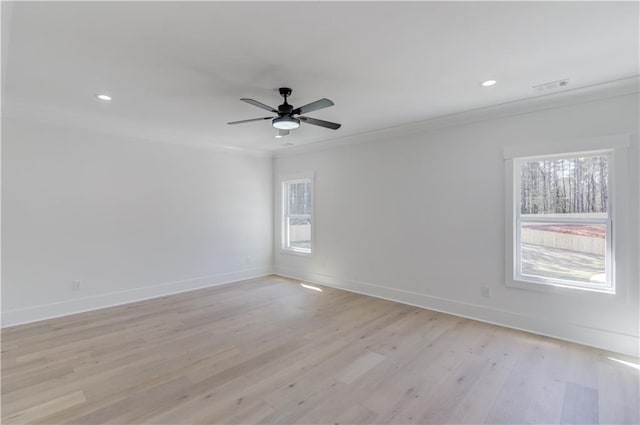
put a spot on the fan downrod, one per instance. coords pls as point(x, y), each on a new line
point(285, 108)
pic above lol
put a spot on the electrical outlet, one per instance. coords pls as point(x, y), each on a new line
point(247, 260)
point(75, 285)
point(486, 292)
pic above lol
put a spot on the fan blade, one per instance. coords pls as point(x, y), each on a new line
point(321, 123)
point(253, 119)
point(313, 106)
point(259, 104)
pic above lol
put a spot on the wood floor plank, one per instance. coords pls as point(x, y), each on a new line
point(36, 412)
point(359, 367)
point(618, 390)
point(270, 351)
point(580, 405)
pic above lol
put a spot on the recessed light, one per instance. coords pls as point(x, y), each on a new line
point(278, 136)
point(103, 96)
point(489, 83)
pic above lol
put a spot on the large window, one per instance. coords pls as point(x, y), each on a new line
point(563, 225)
point(562, 221)
point(571, 217)
point(297, 196)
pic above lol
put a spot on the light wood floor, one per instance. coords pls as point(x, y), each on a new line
point(270, 351)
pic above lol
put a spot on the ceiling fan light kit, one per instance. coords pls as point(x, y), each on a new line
point(285, 120)
point(286, 123)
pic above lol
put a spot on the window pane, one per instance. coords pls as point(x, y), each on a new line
point(564, 186)
point(573, 252)
point(300, 233)
point(300, 198)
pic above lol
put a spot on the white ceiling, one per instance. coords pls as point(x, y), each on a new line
point(176, 71)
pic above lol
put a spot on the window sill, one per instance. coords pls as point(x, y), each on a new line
point(557, 287)
point(296, 252)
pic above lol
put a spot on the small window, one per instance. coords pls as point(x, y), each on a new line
point(297, 215)
point(563, 222)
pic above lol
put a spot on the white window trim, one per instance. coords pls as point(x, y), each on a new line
point(617, 148)
point(296, 178)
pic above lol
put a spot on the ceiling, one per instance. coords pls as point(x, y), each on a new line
point(176, 70)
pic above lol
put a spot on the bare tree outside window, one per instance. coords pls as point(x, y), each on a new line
point(564, 186)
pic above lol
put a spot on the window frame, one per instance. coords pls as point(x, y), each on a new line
point(616, 257)
point(518, 276)
point(285, 181)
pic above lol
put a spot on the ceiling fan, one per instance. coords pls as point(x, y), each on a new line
point(285, 121)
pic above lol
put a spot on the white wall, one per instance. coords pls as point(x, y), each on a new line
point(420, 219)
point(127, 218)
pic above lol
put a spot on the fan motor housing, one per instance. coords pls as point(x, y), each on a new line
point(285, 108)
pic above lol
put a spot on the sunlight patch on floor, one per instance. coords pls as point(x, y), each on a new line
point(313, 288)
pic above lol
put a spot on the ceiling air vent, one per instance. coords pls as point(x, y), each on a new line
point(553, 85)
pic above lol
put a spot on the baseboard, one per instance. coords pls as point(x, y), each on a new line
point(599, 338)
point(79, 305)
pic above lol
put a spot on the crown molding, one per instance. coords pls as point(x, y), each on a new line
point(616, 88)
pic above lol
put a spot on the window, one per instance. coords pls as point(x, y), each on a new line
point(571, 213)
point(297, 196)
point(562, 220)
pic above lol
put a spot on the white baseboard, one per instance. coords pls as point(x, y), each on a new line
point(599, 338)
point(79, 305)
